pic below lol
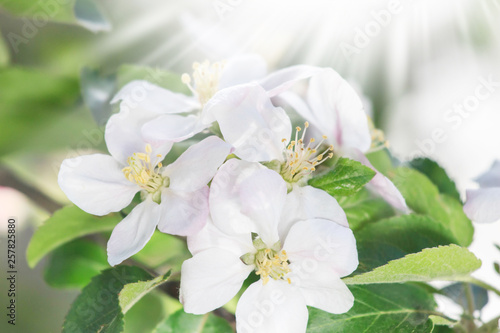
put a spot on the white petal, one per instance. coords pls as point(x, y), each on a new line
point(212, 237)
point(183, 213)
point(483, 205)
point(147, 96)
point(338, 108)
point(492, 177)
point(133, 232)
point(96, 184)
point(380, 184)
point(281, 80)
point(322, 241)
point(263, 196)
point(321, 287)
point(307, 202)
point(173, 128)
point(249, 121)
point(123, 135)
point(242, 69)
point(211, 279)
point(275, 307)
point(224, 199)
point(198, 164)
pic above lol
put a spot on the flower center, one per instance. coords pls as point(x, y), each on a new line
point(378, 137)
point(144, 173)
point(302, 160)
point(206, 80)
point(269, 262)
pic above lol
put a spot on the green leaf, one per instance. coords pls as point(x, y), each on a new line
point(159, 77)
point(97, 92)
point(145, 315)
point(163, 249)
point(83, 12)
point(4, 52)
point(74, 264)
point(346, 178)
point(437, 175)
point(102, 304)
point(423, 197)
point(31, 101)
point(382, 160)
point(446, 263)
point(362, 208)
point(65, 225)
point(379, 308)
point(394, 238)
point(189, 323)
point(458, 293)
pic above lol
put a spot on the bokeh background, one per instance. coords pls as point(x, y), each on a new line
point(418, 64)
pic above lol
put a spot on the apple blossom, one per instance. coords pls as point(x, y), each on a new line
point(333, 108)
point(174, 198)
point(482, 205)
point(299, 262)
point(180, 116)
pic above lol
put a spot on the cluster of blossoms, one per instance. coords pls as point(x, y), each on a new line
point(240, 193)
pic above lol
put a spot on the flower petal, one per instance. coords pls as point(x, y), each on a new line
point(321, 287)
point(211, 279)
point(183, 213)
point(133, 232)
point(483, 205)
point(281, 80)
point(491, 178)
point(380, 184)
point(198, 164)
point(322, 241)
point(274, 307)
point(123, 135)
point(338, 111)
point(96, 184)
point(147, 96)
point(304, 203)
point(224, 199)
point(173, 128)
point(212, 237)
point(242, 69)
point(249, 121)
point(263, 196)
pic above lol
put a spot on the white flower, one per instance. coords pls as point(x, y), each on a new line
point(261, 132)
point(483, 205)
point(179, 116)
point(299, 263)
point(333, 108)
point(174, 197)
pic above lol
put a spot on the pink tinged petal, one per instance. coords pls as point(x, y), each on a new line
point(212, 237)
point(483, 205)
point(211, 279)
point(225, 204)
point(339, 110)
point(274, 307)
point(133, 232)
point(96, 184)
point(198, 164)
point(172, 128)
point(321, 287)
point(242, 69)
point(123, 135)
point(263, 196)
point(249, 121)
point(281, 80)
point(321, 241)
point(183, 213)
point(304, 203)
point(381, 185)
point(492, 177)
point(152, 98)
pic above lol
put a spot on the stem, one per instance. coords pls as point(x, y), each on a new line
point(469, 320)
